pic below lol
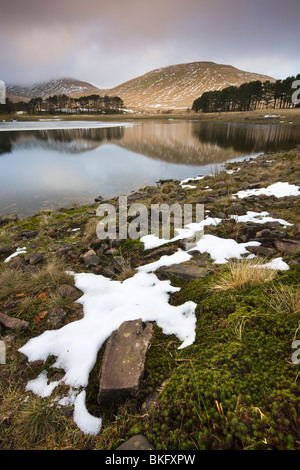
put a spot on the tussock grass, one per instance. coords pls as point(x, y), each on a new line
point(90, 229)
point(12, 281)
point(240, 274)
point(285, 299)
point(49, 277)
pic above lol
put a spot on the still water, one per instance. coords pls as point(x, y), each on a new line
point(50, 165)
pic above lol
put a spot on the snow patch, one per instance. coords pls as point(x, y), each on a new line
point(277, 189)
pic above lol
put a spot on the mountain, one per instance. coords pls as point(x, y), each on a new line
point(67, 86)
point(174, 86)
point(177, 86)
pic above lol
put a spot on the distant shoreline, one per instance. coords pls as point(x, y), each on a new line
point(288, 116)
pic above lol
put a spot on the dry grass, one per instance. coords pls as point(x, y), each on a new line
point(49, 277)
point(240, 274)
point(12, 281)
point(285, 299)
point(90, 232)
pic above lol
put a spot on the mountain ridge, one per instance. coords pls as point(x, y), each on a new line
point(173, 86)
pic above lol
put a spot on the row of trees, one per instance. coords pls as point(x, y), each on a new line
point(248, 96)
point(65, 104)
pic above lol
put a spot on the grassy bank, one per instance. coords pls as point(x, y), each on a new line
point(236, 387)
point(258, 116)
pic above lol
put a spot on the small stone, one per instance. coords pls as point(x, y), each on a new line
point(64, 249)
point(55, 318)
point(288, 246)
point(11, 323)
point(90, 258)
point(29, 234)
point(34, 258)
point(112, 251)
point(137, 442)
point(235, 208)
point(67, 291)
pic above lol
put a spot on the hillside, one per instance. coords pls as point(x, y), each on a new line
point(174, 86)
point(177, 86)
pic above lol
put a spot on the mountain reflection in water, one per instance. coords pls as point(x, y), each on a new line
point(50, 168)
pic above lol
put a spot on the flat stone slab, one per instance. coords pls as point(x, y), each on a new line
point(124, 360)
point(184, 271)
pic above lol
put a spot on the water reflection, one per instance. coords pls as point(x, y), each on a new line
point(50, 168)
point(62, 140)
point(247, 138)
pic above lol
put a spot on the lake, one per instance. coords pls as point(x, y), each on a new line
point(52, 164)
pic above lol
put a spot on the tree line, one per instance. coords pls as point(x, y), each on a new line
point(65, 104)
point(248, 97)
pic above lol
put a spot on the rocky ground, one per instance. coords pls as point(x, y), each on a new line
point(236, 387)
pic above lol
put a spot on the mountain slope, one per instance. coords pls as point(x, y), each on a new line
point(177, 86)
point(67, 86)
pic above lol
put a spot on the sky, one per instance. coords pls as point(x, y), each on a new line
point(107, 42)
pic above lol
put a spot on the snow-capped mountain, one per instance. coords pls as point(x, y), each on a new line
point(60, 86)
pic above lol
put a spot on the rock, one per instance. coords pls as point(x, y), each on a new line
point(8, 218)
point(11, 323)
point(5, 250)
point(124, 360)
point(185, 271)
point(162, 251)
point(67, 291)
point(235, 208)
point(55, 318)
point(254, 186)
point(112, 251)
point(90, 258)
point(261, 251)
point(64, 249)
point(137, 442)
point(152, 400)
point(34, 258)
point(270, 234)
point(29, 234)
point(244, 186)
point(288, 246)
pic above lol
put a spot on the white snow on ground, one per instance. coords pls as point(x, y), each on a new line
point(54, 125)
point(221, 250)
point(85, 421)
point(259, 218)
point(277, 189)
point(107, 304)
point(19, 251)
point(189, 186)
point(276, 263)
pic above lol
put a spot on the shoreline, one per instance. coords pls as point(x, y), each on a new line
point(257, 116)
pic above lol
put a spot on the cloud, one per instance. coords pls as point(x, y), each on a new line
point(108, 42)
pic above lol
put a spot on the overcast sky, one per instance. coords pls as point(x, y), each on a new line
point(107, 42)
